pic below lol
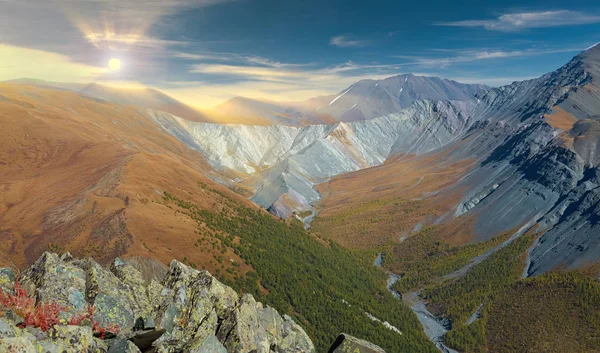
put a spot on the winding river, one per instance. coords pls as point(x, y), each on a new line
point(435, 328)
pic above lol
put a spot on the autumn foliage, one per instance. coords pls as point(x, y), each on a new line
point(46, 315)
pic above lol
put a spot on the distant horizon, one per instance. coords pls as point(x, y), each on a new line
point(140, 87)
point(204, 52)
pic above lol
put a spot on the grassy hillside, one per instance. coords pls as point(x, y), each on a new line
point(555, 312)
point(327, 288)
point(425, 256)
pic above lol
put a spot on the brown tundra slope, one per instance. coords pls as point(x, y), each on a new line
point(86, 176)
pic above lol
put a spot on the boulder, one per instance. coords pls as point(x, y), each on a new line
point(17, 345)
point(210, 344)
point(53, 280)
point(137, 290)
point(123, 346)
point(349, 344)
point(193, 303)
point(7, 279)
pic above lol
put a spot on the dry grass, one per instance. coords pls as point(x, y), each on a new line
point(87, 177)
point(374, 206)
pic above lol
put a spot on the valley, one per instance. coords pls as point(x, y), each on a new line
point(483, 204)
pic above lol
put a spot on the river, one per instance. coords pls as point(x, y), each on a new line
point(435, 328)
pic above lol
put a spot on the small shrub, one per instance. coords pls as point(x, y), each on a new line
point(46, 315)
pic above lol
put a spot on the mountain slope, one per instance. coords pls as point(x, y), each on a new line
point(76, 177)
point(364, 100)
point(100, 180)
point(368, 99)
point(144, 97)
point(533, 166)
point(285, 162)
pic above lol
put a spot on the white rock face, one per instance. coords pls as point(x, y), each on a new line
point(289, 161)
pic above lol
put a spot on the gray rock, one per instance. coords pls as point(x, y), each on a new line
point(209, 344)
point(123, 346)
point(8, 328)
point(54, 280)
point(7, 279)
point(70, 339)
point(17, 345)
point(113, 300)
point(194, 312)
point(192, 303)
point(349, 344)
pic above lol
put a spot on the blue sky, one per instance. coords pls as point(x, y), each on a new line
point(206, 51)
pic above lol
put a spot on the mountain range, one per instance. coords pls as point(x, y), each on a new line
point(470, 198)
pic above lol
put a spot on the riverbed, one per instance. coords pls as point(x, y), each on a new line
point(435, 328)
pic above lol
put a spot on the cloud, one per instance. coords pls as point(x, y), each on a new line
point(17, 62)
point(345, 42)
point(524, 20)
point(223, 75)
point(476, 55)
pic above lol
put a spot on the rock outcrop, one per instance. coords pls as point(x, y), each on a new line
point(188, 311)
point(350, 344)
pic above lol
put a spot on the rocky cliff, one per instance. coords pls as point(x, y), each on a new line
point(62, 304)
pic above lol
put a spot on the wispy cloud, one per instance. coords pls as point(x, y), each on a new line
point(524, 20)
point(346, 42)
point(17, 62)
point(476, 55)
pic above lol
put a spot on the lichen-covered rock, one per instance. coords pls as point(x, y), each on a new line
point(67, 338)
point(247, 334)
point(169, 346)
point(123, 346)
point(7, 328)
point(294, 339)
point(17, 345)
point(113, 303)
point(349, 344)
point(137, 290)
point(7, 279)
point(58, 281)
point(190, 311)
point(192, 303)
point(210, 344)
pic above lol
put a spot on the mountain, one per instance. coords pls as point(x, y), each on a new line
point(482, 212)
point(368, 99)
point(534, 141)
point(364, 100)
point(87, 175)
point(480, 204)
point(144, 97)
point(289, 161)
point(97, 179)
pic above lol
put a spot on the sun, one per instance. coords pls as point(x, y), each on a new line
point(114, 64)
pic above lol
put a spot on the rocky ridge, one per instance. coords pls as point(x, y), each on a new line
point(188, 311)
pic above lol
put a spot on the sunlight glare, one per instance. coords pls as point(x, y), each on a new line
point(114, 64)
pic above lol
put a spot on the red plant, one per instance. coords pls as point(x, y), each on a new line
point(45, 316)
point(98, 329)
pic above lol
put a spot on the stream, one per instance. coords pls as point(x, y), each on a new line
point(435, 328)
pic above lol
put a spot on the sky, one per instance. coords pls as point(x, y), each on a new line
point(204, 52)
